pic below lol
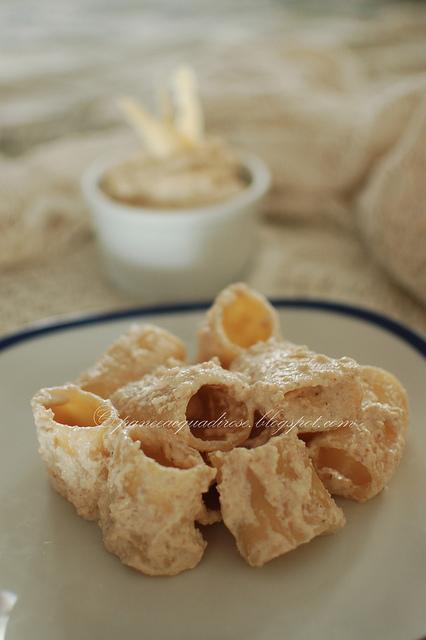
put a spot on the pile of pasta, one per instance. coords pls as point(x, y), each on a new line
point(259, 433)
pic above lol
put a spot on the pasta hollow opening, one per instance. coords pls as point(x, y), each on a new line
point(247, 321)
point(212, 413)
point(344, 464)
point(157, 451)
point(260, 424)
point(262, 430)
point(78, 409)
point(211, 498)
point(306, 437)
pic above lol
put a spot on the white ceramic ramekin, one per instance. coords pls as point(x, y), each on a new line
point(160, 255)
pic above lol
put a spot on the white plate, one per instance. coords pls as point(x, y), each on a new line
point(367, 581)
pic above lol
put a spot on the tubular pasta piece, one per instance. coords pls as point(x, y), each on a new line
point(297, 388)
point(358, 461)
point(271, 498)
point(72, 427)
point(382, 386)
point(239, 318)
point(203, 404)
point(153, 498)
point(134, 354)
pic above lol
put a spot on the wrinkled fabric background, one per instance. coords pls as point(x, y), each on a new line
point(335, 104)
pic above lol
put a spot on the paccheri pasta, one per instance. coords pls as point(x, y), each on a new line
point(358, 461)
point(134, 354)
point(272, 499)
point(72, 425)
point(297, 387)
point(202, 404)
point(238, 319)
point(152, 499)
point(259, 432)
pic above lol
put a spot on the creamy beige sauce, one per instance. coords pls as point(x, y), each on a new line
point(197, 176)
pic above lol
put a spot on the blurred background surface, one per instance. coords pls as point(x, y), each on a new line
point(63, 63)
point(324, 92)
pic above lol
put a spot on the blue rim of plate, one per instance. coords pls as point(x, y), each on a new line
point(416, 341)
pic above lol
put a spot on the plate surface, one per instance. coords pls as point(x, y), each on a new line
point(367, 581)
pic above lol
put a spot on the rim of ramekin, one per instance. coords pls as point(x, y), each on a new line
point(260, 180)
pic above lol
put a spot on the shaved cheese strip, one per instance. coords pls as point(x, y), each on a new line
point(165, 105)
point(271, 498)
point(152, 500)
point(134, 354)
point(160, 139)
point(189, 120)
point(357, 462)
point(72, 428)
point(239, 318)
point(204, 405)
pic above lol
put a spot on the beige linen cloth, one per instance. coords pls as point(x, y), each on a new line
point(337, 110)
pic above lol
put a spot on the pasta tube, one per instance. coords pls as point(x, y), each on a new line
point(238, 319)
point(203, 404)
point(358, 461)
point(297, 388)
point(134, 354)
point(72, 426)
point(271, 498)
point(152, 500)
